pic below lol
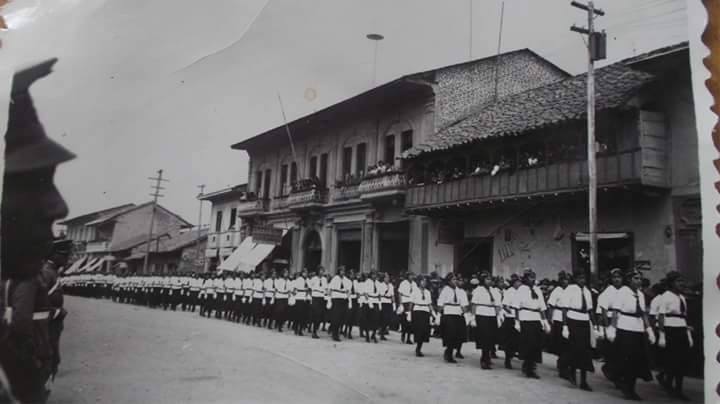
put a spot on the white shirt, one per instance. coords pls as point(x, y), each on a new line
point(388, 293)
point(318, 286)
point(421, 300)
point(485, 301)
point(555, 302)
point(405, 289)
point(572, 299)
point(655, 303)
point(258, 288)
point(360, 290)
point(247, 285)
point(372, 289)
point(608, 300)
point(630, 317)
point(339, 289)
point(671, 306)
point(282, 288)
point(268, 285)
point(300, 287)
point(530, 308)
point(209, 286)
point(452, 300)
point(510, 302)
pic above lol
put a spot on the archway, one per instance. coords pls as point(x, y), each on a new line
point(313, 250)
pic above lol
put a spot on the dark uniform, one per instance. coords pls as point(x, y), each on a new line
point(30, 204)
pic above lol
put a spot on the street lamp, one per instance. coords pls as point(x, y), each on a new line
point(375, 38)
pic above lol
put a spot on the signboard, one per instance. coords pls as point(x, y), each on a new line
point(266, 235)
point(225, 251)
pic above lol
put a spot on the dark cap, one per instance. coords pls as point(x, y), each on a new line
point(27, 147)
point(63, 246)
point(616, 272)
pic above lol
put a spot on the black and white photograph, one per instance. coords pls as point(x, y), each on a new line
point(334, 201)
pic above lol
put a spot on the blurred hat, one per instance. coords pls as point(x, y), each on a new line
point(528, 273)
point(27, 147)
point(616, 272)
point(562, 276)
point(672, 277)
point(514, 277)
point(631, 274)
point(63, 246)
point(474, 281)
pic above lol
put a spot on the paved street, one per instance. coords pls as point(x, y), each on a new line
point(117, 353)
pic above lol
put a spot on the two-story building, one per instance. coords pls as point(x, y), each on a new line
point(224, 234)
point(506, 187)
point(340, 199)
point(75, 228)
point(115, 232)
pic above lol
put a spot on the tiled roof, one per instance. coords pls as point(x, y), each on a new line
point(169, 242)
point(537, 108)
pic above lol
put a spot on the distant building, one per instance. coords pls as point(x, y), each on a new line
point(224, 233)
point(173, 252)
point(107, 236)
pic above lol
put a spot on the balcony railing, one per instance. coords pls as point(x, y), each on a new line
point(280, 203)
point(97, 247)
point(345, 193)
point(311, 198)
point(253, 208)
point(391, 184)
point(629, 167)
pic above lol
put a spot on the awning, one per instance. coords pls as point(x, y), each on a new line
point(94, 267)
point(242, 251)
point(601, 236)
point(88, 263)
point(247, 256)
point(76, 265)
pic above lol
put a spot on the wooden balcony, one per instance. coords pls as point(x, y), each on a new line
point(253, 208)
point(97, 247)
point(310, 199)
point(638, 166)
point(388, 185)
point(345, 193)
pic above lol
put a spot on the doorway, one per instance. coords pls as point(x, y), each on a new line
point(394, 247)
point(474, 255)
point(349, 248)
point(313, 250)
point(615, 250)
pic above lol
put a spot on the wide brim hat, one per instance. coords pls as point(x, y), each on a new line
point(27, 146)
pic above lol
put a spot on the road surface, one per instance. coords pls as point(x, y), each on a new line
point(119, 353)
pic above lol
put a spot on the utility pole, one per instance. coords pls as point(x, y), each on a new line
point(596, 51)
point(199, 232)
point(158, 180)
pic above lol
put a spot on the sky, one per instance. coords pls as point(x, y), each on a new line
point(143, 85)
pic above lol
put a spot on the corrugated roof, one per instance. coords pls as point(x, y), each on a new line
point(537, 108)
point(94, 215)
point(113, 215)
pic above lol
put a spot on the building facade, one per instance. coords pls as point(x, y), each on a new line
point(224, 233)
point(506, 187)
point(340, 199)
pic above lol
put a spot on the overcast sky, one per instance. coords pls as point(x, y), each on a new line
point(149, 84)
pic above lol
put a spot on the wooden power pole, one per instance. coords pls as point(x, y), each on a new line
point(199, 232)
point(156, 194)
point(596, 51)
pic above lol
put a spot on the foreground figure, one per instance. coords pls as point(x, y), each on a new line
point(30, 206)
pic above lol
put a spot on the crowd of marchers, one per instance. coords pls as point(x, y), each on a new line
point(629, 327)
